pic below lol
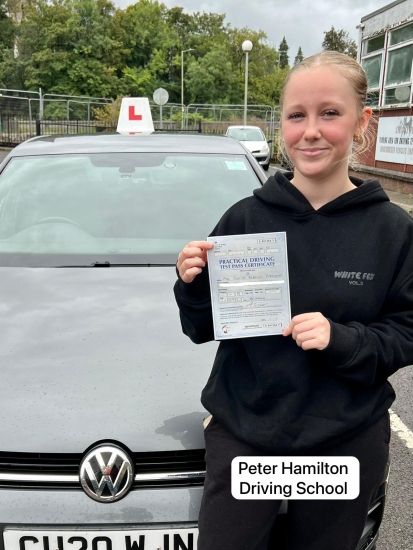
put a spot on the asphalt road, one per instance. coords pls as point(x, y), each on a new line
point(397, 526)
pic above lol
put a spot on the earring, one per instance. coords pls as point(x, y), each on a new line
point(357, 138)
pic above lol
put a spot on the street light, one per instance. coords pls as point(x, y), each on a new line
point(246, 48)
point(182, 81)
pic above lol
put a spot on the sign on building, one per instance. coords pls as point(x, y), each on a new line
point(395, 140)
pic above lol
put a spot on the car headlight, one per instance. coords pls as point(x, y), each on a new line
point(265, 149)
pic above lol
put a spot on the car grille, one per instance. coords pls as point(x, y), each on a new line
point(60, 471)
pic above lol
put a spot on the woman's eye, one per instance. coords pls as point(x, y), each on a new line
point(331, 112)
point(294, 115)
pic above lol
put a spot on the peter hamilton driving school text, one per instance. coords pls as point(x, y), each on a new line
point(303, 478)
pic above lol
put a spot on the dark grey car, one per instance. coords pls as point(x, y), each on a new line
point(101, 423)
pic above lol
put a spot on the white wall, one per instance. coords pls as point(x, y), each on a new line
point(395, 15)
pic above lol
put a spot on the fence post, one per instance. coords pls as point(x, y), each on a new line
point(38, 128)
point(199, 126)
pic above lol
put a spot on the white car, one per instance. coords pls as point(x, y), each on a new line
point(253, 138)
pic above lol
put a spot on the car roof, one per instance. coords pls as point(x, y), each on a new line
point(117, 143)
point(245, 127)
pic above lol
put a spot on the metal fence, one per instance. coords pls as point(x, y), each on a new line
point(15, 130)
point(38, 106)
point(210, 119)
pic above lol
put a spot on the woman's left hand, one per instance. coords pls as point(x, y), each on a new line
point(309, 330)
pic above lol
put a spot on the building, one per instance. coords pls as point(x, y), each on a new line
point(385, 51)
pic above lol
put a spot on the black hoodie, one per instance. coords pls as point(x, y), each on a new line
point(352, 260)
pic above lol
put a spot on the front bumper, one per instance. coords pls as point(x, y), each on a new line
point(262, 158)
point(144, 506)
point(152, 508)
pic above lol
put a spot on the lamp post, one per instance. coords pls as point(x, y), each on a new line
point(182, 81)
point(246, 48)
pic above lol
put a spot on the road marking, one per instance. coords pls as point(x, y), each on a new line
point(401, 429)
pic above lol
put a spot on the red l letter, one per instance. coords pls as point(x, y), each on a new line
point(132, 114)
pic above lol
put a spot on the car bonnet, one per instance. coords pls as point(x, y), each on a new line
point(97, 354)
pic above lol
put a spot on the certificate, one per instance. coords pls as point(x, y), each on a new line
point(250, 291)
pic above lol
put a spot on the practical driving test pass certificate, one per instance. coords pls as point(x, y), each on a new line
point(250, 292)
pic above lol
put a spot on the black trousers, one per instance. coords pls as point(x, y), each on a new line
point(226, 523)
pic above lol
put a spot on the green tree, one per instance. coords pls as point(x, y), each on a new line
point(66, 46)
point(88, 47)
point(7, 28)
point(139, 81)
point(143, 29)
point(210, 79)
point(153, 45)
point(339, 41)
point(299, 57)
point(262, 60)
point(204, 32)
point(7, 38)
point(283, 52)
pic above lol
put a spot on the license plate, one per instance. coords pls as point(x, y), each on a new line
point(143, 539)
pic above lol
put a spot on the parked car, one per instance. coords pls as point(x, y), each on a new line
point(101, 434)
point(253, 138)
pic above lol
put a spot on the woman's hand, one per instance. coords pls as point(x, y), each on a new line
point(309, 330)
point(192, 259)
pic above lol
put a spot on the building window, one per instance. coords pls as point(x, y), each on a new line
point(389, 78)
point(374, 44)
point(372, 63)
point(401, 35)
point(399, 65)
point(372, 66)
point(394, 96)
point(373, 98)
point(399, 75)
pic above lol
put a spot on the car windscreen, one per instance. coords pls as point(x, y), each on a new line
point(244, 134)
point(121, 208)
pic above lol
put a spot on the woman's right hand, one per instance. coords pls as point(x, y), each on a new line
point(192, 259)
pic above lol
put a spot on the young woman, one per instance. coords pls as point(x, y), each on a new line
point(321, 388)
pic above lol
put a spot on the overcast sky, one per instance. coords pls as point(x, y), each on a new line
point(302, 22)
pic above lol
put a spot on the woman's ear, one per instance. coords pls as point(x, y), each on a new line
point(364, 119)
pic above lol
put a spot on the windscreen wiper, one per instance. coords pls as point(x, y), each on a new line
point(95, 264)
point(108, 264)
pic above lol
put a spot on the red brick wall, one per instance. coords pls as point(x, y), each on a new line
point(389, 183)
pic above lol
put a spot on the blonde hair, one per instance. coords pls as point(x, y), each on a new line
point(357, 77)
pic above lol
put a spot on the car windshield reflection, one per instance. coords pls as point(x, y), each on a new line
point(121, 208)
point(246, 135)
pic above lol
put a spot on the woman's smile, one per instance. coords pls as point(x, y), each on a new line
point(312, 151)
